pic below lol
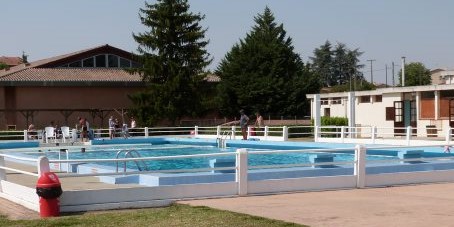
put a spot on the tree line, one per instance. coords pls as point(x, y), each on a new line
point(261, 73)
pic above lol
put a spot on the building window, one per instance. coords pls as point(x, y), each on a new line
point(364, 99)
point(324, 101)
point(113, 61)
point(125, 63)
point(76, 64)
point(101, 60)
point(335, 101)
point(378, 98)
point(89, 62)
point(390, 113)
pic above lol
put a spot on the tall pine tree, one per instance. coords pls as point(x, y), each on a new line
point(173, 55)
point(262, 72)
point(322, 64)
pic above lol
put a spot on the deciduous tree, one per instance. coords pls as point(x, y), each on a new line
point(415, 74)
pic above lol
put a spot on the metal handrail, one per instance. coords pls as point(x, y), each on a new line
point(130, 154)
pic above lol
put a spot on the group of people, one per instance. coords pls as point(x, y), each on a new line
point(244, 123)
point(114, 127)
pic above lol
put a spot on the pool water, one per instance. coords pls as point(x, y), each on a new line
point(190, 163)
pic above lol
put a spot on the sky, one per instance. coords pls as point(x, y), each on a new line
point(384, 30)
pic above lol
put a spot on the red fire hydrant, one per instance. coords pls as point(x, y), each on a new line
point(48, 189)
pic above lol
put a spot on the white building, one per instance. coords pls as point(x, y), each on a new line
point(393, 108)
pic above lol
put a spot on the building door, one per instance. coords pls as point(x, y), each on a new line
point(399, 118)
point(451, 113)
point(327, 112)
point(404, 116)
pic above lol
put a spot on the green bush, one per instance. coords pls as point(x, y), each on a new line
point(332, 121)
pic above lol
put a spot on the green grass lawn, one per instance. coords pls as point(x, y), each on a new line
point(175, 215)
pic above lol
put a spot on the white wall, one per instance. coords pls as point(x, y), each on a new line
point(374, 113)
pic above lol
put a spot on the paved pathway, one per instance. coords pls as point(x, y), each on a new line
point(16, 212)
point(415, 205)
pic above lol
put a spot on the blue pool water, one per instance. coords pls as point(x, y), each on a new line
point(110, 152)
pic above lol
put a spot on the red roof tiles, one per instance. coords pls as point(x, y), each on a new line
point(11, 61)
point(72, 74)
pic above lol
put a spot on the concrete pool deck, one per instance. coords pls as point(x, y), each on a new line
point(410, 205)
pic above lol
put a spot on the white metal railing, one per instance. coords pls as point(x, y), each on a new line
point(265, 133)
point(374, 133)
point(282, 133)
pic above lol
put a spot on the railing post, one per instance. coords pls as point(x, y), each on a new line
point(360, 166)
point(248, 131)
point(218, 131)
point(267, 131)
point(374, 133)
point(2, 171)
point(43, 165)
point(233, 132)
point(241, 171)
point(448, 135)
point(408, 135)
point(285, 133)
point(25, 135)
point(342, 134)
point(146, 132)
point(316, 133)
point(196, 130)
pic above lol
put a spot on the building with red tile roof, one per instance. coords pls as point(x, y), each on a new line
point(10, 61)
point(91, 83)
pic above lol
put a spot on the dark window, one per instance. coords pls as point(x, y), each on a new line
point(113, 61)
point(101, 60)
point(364, 99)
point(75, 64)
point(125, 63)
point(390, 113)
point(324, 101)
point(89, 62)
point(378, 98)
point(335, 101)
point(447, 94)
point(427, 95)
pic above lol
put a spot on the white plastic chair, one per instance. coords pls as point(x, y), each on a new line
point(50, 133)
point(65, 133)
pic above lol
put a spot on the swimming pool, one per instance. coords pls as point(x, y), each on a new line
point(159, 150)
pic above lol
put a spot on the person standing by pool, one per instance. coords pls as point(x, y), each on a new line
point(258, 122)
point(133, 123)
point(111, 127)
point(84, 129)
point(243, 124)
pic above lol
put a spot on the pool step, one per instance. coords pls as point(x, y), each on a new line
point(410, 154)
point(319, 158)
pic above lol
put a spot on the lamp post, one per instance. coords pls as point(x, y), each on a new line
point(371, 73)
point(403, 71)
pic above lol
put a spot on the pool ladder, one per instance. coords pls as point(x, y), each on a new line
point(222, 140)
point(132, 154)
